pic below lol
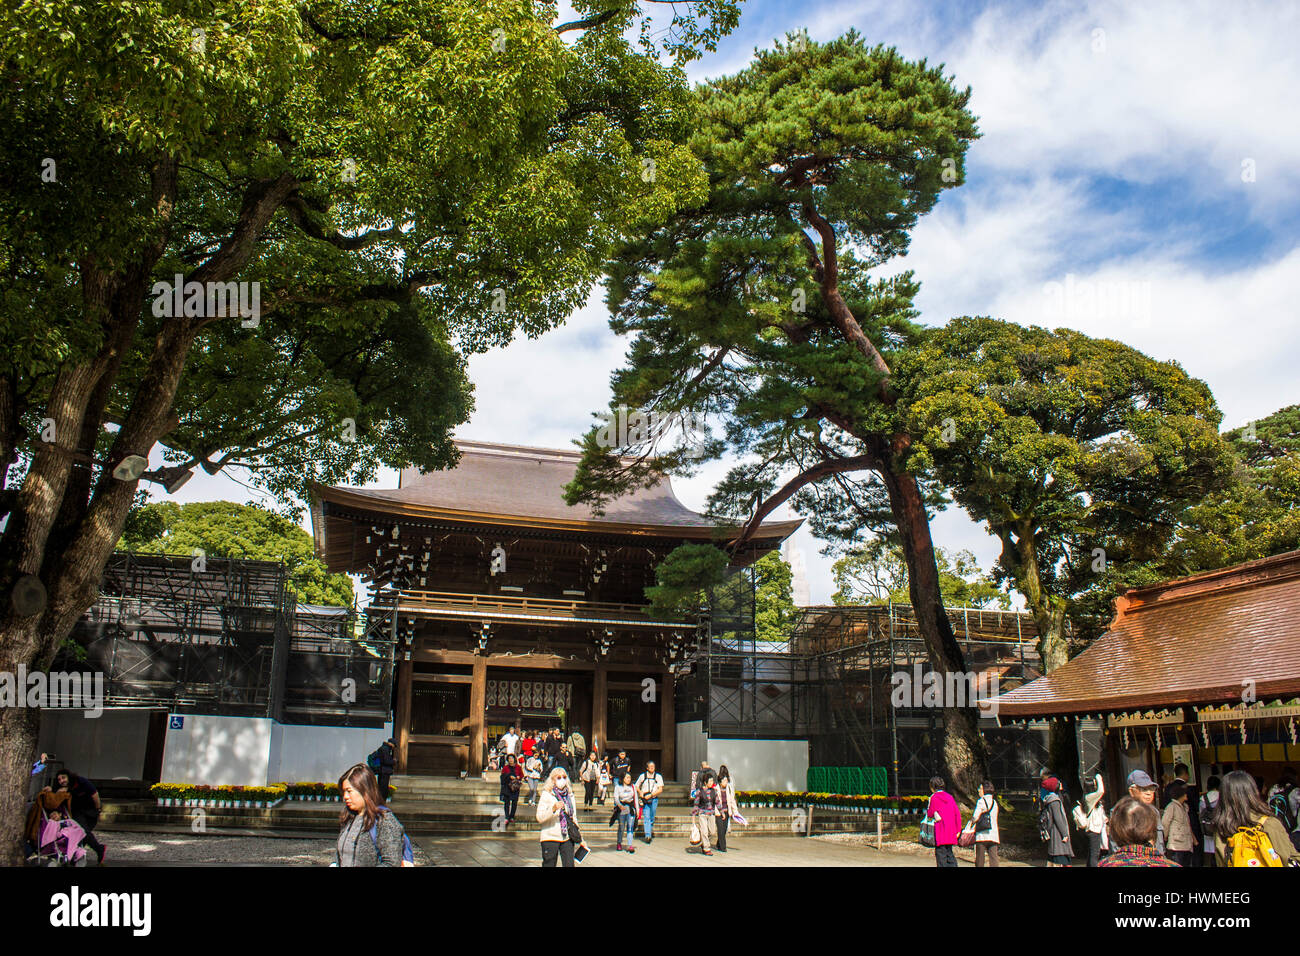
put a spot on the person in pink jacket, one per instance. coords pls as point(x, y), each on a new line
point(945, 813)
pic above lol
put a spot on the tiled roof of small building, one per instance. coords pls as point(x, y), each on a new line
point(1195, 640)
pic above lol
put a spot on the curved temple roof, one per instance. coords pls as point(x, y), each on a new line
point(1195, 640)
point(513, 484)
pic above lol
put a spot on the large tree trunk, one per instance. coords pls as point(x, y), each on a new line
point(59, 531)
point(964, 754)
point(963, 749)
point(18, 728)
point(1053, 646)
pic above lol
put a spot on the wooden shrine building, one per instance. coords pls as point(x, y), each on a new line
point(1203, 670)
point(510, 606)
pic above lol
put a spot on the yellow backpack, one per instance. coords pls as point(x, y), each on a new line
point(1250, 846)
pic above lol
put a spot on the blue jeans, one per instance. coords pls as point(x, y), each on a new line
point(648, 817)
point(626, 824)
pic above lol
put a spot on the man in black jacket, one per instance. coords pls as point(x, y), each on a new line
point(84, 807)
point(552, 750)
point(386, 754)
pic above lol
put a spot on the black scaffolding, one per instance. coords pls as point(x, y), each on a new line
point(832, 680)
point(225, 636)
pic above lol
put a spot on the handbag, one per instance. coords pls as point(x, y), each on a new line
point(967, 836)
point(927, 832)
point(984, 822)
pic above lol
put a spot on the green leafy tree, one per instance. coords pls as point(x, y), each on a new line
point(755, 310)
point(223, 529)
point(382, 187)
point(877, 574)
point(774, 608)
point(684, 580)
point(1257, 514)
point(1081, 456)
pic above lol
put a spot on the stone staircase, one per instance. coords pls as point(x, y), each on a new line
point(434, 807)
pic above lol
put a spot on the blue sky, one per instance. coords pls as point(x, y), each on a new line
point(1150, 151)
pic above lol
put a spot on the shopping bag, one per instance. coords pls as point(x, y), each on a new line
point(695, 833)
point(927, 832)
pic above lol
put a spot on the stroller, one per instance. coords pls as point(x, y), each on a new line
point(60, 843)
point(53, 836)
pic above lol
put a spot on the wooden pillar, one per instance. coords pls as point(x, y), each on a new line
point(600, 705)
point(477, 707)
point(402, 717)
point(668, 726)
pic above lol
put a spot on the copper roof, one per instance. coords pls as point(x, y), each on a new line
point(512, 484)
point(1195, 640)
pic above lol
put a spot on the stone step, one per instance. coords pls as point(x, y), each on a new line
point(323, 818)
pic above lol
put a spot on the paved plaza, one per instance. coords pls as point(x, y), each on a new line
point(263, 848)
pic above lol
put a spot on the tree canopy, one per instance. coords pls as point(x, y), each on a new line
point(1081, 456)
point(224, 529)
point(877, 574)
point(335, 202)
point(1257, 513)
point(775, 612)
point(755, 309)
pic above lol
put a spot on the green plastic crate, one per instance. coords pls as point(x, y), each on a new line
point(850, 781)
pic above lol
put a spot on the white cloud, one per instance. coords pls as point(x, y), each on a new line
point(1139, 91)
point(1180, 91)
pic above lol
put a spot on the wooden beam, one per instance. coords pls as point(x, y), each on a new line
point(668, 725)
point(443, 679)
point(600, 705)
point(530, 661)
point(403, 715)
point(477, 706)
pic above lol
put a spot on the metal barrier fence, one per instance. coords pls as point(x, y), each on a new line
point(851, 781)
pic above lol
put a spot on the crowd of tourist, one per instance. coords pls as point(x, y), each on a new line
point(551, 766)
point(1237, 821)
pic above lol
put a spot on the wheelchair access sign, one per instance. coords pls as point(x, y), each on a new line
point(176, 722)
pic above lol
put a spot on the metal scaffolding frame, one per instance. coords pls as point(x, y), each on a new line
point(856, 653)
point(831, 684)
point(225, 636)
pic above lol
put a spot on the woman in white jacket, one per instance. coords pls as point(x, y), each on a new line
point(1090, 815)
point(559, 819)
point(984, 821)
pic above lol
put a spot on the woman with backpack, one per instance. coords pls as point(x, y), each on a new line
point(369, 834)
point(1054, 825)
point(1209, 810)
point(1246, 834)
point(558, 816)
point(985, 821)
point(512, 781)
